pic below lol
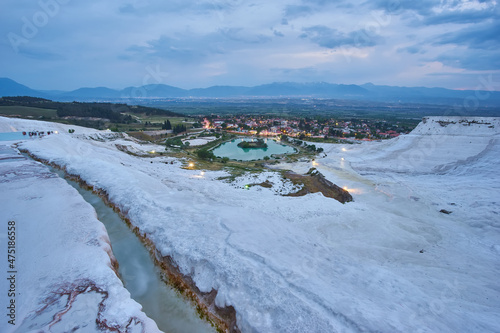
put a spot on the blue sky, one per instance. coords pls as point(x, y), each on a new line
point(67, 44)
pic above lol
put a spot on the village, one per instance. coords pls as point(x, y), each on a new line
point(360, 129)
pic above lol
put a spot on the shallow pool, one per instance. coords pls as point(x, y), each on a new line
point(13, 136)
point(232, 151)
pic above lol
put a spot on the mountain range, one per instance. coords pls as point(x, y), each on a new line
point(365, 92)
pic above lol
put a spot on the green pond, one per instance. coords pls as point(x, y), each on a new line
point(232, 151)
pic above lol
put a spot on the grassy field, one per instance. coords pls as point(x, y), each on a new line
point(26, 111)
point(155, 120)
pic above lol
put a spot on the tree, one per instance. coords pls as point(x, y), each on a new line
point(360, 136)
point(311, 147)
point(168, 125)
point(205, 154)
point(179, 128)
point(244, 126)
point(302, 124)
point(260, 129)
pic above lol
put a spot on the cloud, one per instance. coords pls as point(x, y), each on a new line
point(127, 9)
point(295, 11)
point(459, 17)
point(278, 33)
point(305, 74)
point(333, 38)
point(477, 47)
point(422, 7)
point(414, 49)
point(472, 60)
point(309, 7)
point(205, 42)
point(192, 48)
point(182, 49)
point(435, 12)
point(242, 35)
point(484, 36)
point(39, 53)
point(155, 7)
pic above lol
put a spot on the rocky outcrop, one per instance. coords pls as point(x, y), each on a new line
point(313, 181)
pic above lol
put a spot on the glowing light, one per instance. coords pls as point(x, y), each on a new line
point(153, 151)
point(343, 149)
point(56, 132)
point(191, 164)
point(342, 158)
point(353, 190)
point(202, 173)
point(247, 187)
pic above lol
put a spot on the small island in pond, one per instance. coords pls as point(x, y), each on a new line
point(253, 144)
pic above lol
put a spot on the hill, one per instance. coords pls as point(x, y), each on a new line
point(10, 87)
point(96, 115)
point(320, 90)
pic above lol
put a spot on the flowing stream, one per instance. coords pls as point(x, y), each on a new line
point(170, 311)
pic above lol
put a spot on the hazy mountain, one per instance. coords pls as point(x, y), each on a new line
point(220, 91)
point(320, 89)
point(425, 95)
point(365, 92)
point(153, 90)
point(99, 92)
point(10, 87)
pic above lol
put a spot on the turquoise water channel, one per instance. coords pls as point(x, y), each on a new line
point(232, 151)
point(171, 312)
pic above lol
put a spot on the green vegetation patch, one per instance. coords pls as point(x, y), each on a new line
point(253, 144)
point(27, 111)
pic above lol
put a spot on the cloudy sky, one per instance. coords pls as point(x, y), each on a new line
point(67, 44)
